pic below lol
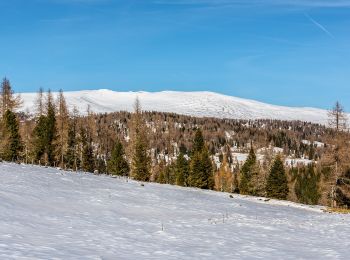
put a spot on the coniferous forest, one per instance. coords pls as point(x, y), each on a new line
point(287, 160)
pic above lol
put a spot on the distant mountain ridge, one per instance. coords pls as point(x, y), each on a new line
point(199, 104)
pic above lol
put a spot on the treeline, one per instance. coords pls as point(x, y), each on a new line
point(181, 150)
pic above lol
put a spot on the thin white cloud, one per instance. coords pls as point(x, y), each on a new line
point(320, 26)
point(300, 3)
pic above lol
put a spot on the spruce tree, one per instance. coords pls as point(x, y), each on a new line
point(160, 177)
point(39, 139)
point(117, 164)
point(12, 145)
point(198, 142)
point(101, 166)
point(182, 170)
point(87, 155)
point(70, 157)
point(307, 185)
point(201, 169)
point(247, 171)
point(207, 170)
point(45, 134)
point(277, 183)
point(51, 132)
point(141, 162)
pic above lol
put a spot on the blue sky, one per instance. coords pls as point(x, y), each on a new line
point(292, 52)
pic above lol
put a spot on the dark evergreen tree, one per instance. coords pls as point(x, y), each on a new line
point(117, 164)
point(101, 166)
point(307, 185)
point(277, 183)
point(39, 139)
point(141, 161)
point(182, 170)
point(45, 134)
point(247, 171)
point(50, 133)
point(198, 142)
point(160, 178)
point(201, 171)
point(87, 156)
point(70, 157)
point(12, 139)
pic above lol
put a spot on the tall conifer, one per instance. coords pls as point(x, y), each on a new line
point(12, 145)
point(141, 161)
point(117, 164)
point(277, 183)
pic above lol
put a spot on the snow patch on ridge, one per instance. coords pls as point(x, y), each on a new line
point(199, 104)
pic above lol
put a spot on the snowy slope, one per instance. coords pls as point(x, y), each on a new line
point(51, 214)
point(201, 104)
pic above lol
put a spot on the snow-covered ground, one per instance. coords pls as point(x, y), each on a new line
point(201, 104)
point(50, 214)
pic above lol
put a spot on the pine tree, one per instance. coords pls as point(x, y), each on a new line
point(307, 185)
point(87, 155)
point(141, 162)
point(201, 169)
point(160, 177)
point(101, 166)
point(12, 145)
point(277, 183)
point(39, 138)
point(247, 171)
point(117, 164)
point(198, 142)
point(182, 170)
point(70, 157)
point(207, 170)
point(45, 134)
point(51, 131)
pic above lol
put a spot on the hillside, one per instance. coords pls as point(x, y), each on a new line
point(46, 213)
point(199, 104)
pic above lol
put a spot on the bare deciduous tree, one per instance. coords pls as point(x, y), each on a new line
point(337, 117)
point(8, 100)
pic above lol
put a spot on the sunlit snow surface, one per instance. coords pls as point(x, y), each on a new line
point(200, 104)
point(51, 214)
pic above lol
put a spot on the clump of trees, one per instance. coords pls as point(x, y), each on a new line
point(180, 150)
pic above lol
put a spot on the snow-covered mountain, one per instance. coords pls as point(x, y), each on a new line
point(200, 104)
point(50, 214)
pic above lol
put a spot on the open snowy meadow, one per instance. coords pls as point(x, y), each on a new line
point(46, 213)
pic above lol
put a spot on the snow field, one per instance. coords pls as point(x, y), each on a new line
point(46, 213)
